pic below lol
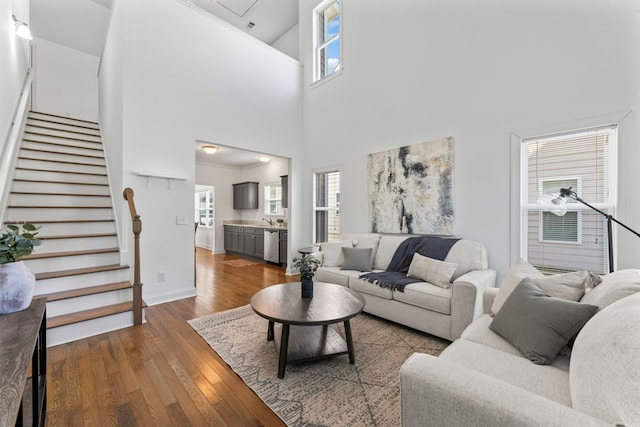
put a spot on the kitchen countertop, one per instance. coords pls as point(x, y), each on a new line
point(261, 224)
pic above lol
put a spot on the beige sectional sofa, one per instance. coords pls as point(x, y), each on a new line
point(482, 379)
point(440, 311)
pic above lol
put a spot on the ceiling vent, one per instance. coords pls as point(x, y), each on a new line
point(250, 25)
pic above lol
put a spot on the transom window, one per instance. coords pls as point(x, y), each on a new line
point(328, 30)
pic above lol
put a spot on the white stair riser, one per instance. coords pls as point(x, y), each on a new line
point(56, 200)
point(53, 131)
point(34, 154)
point(64, 141)
point(53, 187)
point(89, 328)
point(72, 305)
point(83, 127)
point(57, 176)
point(33, 215)
point(66, 263)
point(56, 229)
point(57, 166)
point(61, 147)
point(84, 243)
point(60, 284)
point(69, 120)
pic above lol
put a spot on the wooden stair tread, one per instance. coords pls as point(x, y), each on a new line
point(57, 144)
point(60, 152)
point(65, 162)
point(59, 182)
point(60, 221)
point(79, 271)
point(63, 130)
point(70, 253)
point(94, 313)
point(68, 138)
point(39, 193)
point(56, 207)
point(39, 119)
point(91, 290)
point(57, 171)
point(76, 236)
point(62, 117)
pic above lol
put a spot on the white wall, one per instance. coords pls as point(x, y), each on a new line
point(223, 178)
point(289, 42)
point(203, 80)
point(66, 81)
point(14, 52)
point(475, 71)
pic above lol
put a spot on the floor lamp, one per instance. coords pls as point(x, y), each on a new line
point(559, 207)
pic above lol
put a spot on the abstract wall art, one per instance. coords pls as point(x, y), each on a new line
point(411, 189)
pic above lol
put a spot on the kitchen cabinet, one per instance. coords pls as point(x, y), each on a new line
point(245, 195)
point(244, 240)
point(284, 183)
point(283, 247)
point(233, 238)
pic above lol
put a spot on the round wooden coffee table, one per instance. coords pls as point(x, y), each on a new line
point(304, 322)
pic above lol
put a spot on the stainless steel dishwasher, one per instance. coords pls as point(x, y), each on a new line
point(272, 246)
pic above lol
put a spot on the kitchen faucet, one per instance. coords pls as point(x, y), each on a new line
point(269, 220)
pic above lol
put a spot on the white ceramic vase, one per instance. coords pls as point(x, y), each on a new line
point(17, 284)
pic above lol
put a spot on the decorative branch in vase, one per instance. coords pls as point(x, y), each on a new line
point(307, 265)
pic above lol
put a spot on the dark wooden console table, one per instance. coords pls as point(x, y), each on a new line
point(23, 340)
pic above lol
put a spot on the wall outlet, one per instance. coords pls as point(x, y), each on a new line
point(162, 276)
point(181, 220)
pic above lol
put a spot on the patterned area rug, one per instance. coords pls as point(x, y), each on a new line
point(240, 262)
point(328, 392)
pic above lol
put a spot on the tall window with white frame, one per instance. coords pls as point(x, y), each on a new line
point(204, 208)
point(326, 42)
point(273, 198)
point(581, 160)
point(327, 206)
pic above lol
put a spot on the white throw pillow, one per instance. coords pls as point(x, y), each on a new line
point(569, 286)
point(614, 286)
point(332, 252)
point(431, 270)
point(516, 273)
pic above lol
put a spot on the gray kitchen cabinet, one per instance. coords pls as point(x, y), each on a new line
point(245, 195)
point(284, 183)
point(244, 240)
point(283, 247)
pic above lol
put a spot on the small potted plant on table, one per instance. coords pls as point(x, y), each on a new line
point(307, 265)
point(17, 282)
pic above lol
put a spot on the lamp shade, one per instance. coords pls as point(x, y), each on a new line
point(553, 203)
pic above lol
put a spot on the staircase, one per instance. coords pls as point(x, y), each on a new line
point(60, 183)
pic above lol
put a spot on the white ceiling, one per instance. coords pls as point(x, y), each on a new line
point(229, 156)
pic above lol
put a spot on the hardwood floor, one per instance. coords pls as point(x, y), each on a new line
point(162, 373)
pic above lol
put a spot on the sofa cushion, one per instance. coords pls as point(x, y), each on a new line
point(516, 273)
point(544, 380)
point(605, 367)
point(358, 259)
point(469, 255)
point(386, 248)
point(426, 295)
point(614, 286)
point(364, 240)
point(539, 325)
point(366, 287)
point(478, 331)
point(431, 270)
point(335, 275)
point(332, 252)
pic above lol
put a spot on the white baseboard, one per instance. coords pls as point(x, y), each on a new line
point(170, 296)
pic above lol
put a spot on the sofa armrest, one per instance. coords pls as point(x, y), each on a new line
point(488, 297)
point(435, 392)
point(466, 304)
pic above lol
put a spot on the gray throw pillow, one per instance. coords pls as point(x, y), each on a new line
point(539, 325)
point(356, 259)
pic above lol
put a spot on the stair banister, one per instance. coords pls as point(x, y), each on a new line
point(137, 229)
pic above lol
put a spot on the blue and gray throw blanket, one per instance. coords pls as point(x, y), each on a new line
point(395, 277)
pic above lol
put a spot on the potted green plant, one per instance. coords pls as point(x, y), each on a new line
point(17, 282)
point(307, 266)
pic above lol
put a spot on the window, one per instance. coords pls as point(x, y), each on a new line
point(580, 160)
point(327, 49)
point(273, 198)
point(204, 208)
point(326, 206)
